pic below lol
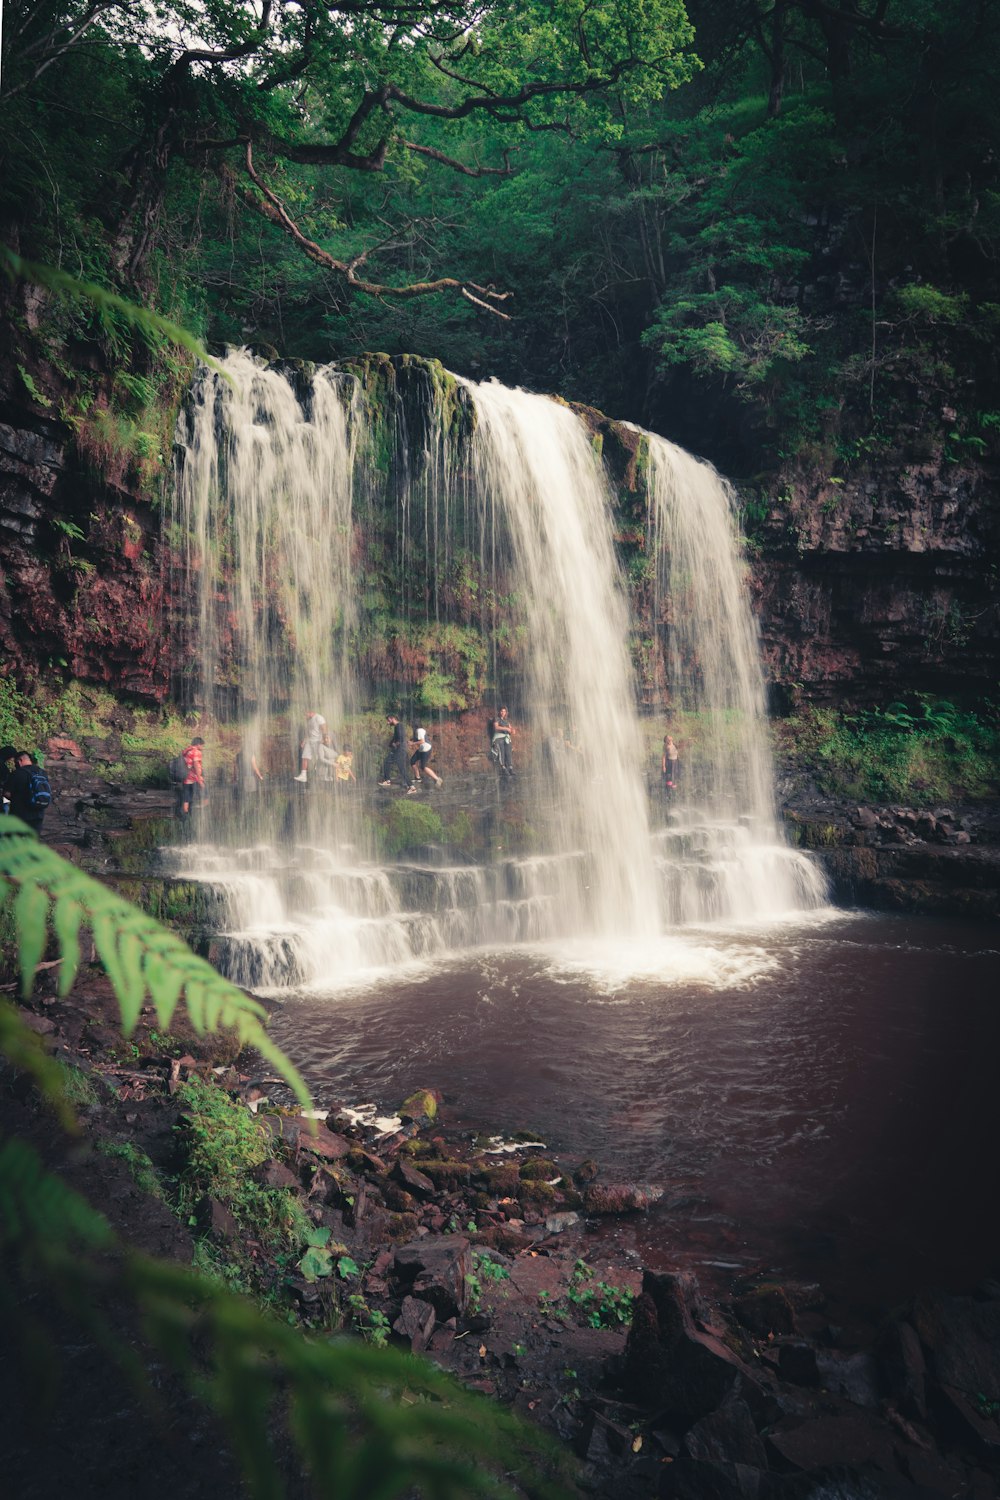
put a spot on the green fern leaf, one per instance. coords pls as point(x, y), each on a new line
point(31, 910)
point(66, 918)
point(131, 998)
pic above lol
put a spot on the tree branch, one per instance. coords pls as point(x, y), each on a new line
point(273, 209)
point(449, 161)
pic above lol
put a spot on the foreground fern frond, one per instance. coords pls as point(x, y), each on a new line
point(365, 1422)
point(46, 894)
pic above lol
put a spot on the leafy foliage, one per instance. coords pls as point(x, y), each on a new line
point(920, 752)
point(364, 1420)
point(47, 895)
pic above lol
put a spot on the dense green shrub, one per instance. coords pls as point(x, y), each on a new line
point(921, 752)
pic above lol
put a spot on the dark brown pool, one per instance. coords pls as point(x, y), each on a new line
point(818, 1100)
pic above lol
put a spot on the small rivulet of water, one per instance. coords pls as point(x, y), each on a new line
point(283, 483)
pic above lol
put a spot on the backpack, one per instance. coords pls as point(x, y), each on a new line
point(177, 770)
point(38, 789)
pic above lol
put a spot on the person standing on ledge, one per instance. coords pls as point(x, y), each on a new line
point(501, 737)
point(395, 755)
point(247, 774)
point(193, 788)
point(29, 792)
point(669, 763)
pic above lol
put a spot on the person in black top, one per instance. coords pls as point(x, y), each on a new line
point(24, 787)
point(395, 755)
point(501, 731)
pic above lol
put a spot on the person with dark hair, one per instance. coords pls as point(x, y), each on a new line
point(29, 792)
point(395, 755)
point(193, 787)
point(501, 736)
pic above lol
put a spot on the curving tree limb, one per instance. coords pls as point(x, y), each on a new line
point(271, 207)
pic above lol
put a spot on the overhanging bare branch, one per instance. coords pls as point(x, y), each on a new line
point(273, 209)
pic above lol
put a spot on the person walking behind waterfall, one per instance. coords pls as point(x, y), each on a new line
point(193, 787)
point(669, 763)
point(420, 760)
point(501, 737)
point(395, 755)
point(317, 745)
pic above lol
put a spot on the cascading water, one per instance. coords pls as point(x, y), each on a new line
point(727, 811)
point(277, 476)
point(264, 502)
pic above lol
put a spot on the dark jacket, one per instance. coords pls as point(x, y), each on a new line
point(17, 788)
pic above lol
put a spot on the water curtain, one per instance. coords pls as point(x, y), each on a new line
point(302, 498)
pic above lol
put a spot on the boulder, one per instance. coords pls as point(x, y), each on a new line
point(619, 1198)
point(320, 1141)
point(416, 1323)
point(214, 1219)
point(421, 1105)
point(849, 1437)
point(274, 1174)
point(765, 1309)
point(727, 1435)
point(413, 1182)
point(962, 1336)
point(672, 1363)
point(901, 1368)
point(436, 1269)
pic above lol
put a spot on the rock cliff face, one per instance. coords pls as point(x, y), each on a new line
point(80, 588)
point(865, 588)
point(885, 582)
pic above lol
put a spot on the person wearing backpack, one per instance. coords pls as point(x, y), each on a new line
point(29, 791)
point(193, 788)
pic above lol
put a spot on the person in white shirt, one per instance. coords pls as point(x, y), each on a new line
point(420, 760)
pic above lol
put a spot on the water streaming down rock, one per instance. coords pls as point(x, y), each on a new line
point(725, 815)
point(272, 465)
point(263, 500)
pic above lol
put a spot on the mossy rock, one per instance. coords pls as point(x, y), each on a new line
point(402, 1227)
point(416, 1147)
point(446, 1172)
point(539, 1166)
point(421, 1105)
point(503, 1181)
point(535, 1194)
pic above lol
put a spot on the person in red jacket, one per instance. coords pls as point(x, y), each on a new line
point(193, 790)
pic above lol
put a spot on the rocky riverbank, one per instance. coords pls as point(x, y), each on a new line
point(488, 1257)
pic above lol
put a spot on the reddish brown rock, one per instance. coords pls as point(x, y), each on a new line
point(670, 1362)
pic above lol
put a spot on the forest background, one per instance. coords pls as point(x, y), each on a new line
point(768, 229)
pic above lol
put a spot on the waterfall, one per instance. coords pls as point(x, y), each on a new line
point(300, 503)
point(717, 691)
point(264, 503)
point(534, 459)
